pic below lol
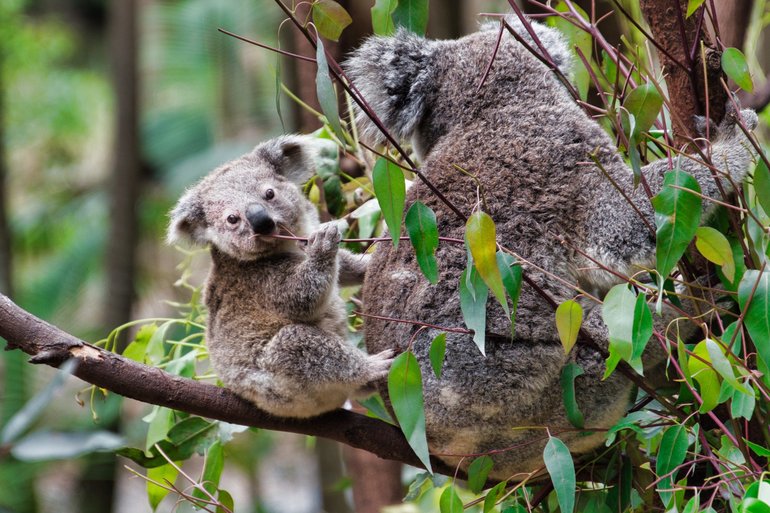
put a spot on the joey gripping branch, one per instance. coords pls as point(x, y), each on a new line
point(47, 344)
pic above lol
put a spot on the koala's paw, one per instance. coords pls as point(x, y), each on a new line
point(324, 242)
point(379, 364)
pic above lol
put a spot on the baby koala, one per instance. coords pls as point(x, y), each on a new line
point(276, 325)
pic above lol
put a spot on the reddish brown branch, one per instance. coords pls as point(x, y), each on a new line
point(49, 345)
point(695, 90)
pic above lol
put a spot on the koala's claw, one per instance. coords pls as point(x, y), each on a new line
point(379, 364)
point(324, 241)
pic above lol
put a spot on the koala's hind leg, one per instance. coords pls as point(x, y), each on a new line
point(317, 370)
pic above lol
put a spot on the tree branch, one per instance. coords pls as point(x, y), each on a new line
point(49, 345)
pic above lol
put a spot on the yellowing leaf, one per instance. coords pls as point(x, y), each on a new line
point(569, 318)
point(715, 247)
point(330, 18)
point(480, 234)
point(705, 375)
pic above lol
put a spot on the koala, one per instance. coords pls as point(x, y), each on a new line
point(276, 324)
point(530, 147)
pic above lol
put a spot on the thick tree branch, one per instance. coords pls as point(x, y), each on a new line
point(49, 345)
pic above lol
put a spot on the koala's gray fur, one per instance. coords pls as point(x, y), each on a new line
point(276, 324)
point(529, 145)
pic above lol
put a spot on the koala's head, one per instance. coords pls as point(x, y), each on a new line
point(236, 207)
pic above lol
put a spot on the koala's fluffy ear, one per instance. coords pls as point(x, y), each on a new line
point(394, 75)
point(296, 157)
point(188, 221)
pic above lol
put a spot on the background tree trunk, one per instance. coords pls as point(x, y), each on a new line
point(690, 90)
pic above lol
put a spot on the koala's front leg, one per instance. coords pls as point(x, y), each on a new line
point(352, 267)
point(306, 289)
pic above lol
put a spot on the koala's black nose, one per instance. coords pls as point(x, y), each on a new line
point(259, 219)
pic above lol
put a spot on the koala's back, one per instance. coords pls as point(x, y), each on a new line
point(524, 139)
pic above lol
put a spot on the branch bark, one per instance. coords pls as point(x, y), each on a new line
point(691, 91)
point(49, 345)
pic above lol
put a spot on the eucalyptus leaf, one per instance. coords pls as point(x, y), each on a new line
point(677, 216)
point(757, 312)
point(734, 65)
point(420, 224)
point(327, 97)
point(671, 454)
point(618, 314)
point(478, 471)
point(382, 19)
point(569, 318)
point(481, 238)
point(716, 248)
point(390, 189)
point(412, 15)
point(405, 392)
point(644, 104)
point(558, 462)
point(330, 18)
point(568, 375)
point(436, 354)
point(473, 304)
point(511, 273)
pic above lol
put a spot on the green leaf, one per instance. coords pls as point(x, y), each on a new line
point(759, 450)
point(137, 349)
point(705, 375)
point(569, 318)
point(390, 189)
point(330, 18)
point(161, 421)
point(473, 304)
point(493, 495)
point(478, 471)
point(191, 435)
point(757, 313)
point(405, 392)
point(715, 247)
point(677, 216)
point(164, 475)
point(671, 454)
point(618, 314)
point(156, 350)
point(762, 185)
point(481, 237)
point(212, 470)
point(558, 462)
point(644, 104)
point(327, 97)
point(436, 354)
point(568, 375)
point(510, 271)
point(421, 225)
point(382, 20)
point(735, 67)
point(742, 405)
point(412, 15)
point(642, 331)
point(692, 6)
point(721, 364)
point(226, 500)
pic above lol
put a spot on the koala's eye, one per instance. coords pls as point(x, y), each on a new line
point(269, 194)
point(233, 219)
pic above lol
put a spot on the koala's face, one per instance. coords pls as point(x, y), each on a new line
point(238, 206)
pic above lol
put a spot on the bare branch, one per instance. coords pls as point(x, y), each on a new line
point(49, 345)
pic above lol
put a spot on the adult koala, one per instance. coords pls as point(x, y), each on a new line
point(528, 144)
